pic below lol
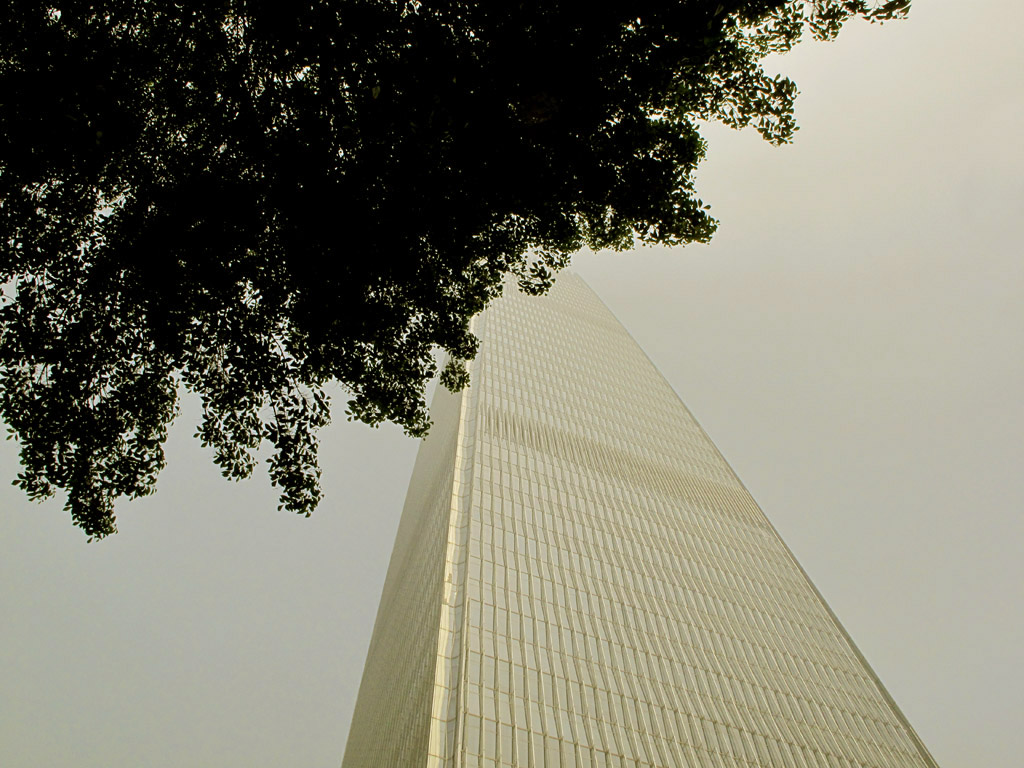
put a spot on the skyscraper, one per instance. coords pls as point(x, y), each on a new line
point(579, 579)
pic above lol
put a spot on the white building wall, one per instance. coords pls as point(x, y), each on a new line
point(612, 594)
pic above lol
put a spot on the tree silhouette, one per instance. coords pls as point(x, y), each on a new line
point(255, 199)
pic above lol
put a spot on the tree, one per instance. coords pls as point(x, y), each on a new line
point(257, 198)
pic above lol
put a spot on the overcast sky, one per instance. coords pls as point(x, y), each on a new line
point(853, 341)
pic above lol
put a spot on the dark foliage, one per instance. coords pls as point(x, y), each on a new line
point(256, 198)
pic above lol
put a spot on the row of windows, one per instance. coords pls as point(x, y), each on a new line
point(608, 601)
point(556, 383)
point(664, 640)
point(592, 645)
point(648, 557)
point(668, 550)
point(557, 739)
point(555, 462)
point(623, 510)
point(572, 442)
point(556, 399)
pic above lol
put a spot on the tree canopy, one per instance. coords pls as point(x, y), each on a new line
point(255, 198)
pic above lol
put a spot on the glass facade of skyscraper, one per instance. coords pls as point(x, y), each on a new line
point(580, 579)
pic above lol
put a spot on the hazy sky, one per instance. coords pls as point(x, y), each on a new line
point(853, 341)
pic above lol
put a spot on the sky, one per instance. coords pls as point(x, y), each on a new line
point(852, 340)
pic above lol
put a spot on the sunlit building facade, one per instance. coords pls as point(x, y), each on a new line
point(579, 579)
